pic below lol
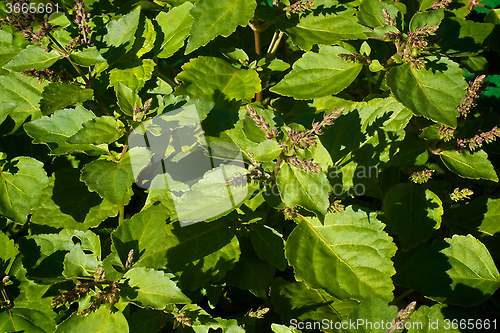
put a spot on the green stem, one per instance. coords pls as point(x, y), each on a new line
point(121, 214)
point(368, 77)
point(274, 47)
point(379, 82)
point(403, 295)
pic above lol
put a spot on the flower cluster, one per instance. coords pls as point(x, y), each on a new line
point(442, 4)
point(259, 313)
point(387, 18)
point(297, 7)
point(82, 20)
point(307, 166)
point(477, 140)
point(336, 207)
point(5, 280)
point(111, 294)
point(462, 194)
point(420, 177)
point(260, 122)
point(139, 113)
point(416, 42)
point(239, 180)
point(301, 139)
point(355, 58)
point(130, 259)
point(468, 102)
point(327, 121)
point(446, 133)
point(402, 318)
point(305, 139)
point(416, 39)
point(48, 75)
point(289, 213)
point(20, 22)
point(80, 290)
point(181, 318)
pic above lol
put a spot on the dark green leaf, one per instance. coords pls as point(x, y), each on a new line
point(413, 213)
point(327, 256)
point(217, 17)
point(57, 96)
point(319, 74)
point(22, 180)
point(433, 92)
point(457, 270)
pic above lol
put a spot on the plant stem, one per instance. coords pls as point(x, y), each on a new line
point(379, 82)
point(121, 214)
point(256, 34)
point(403, 295)
point(368, 77)
point(274, 47)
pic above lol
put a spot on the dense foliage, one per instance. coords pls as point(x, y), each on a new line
point(249, 166)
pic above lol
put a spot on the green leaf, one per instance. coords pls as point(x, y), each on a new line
point(201, 252)
point(97, 131)
point(211, 197)
point(10, 46)
point(89, 56)
point(28, 316)
point(433, 92)
point(250, 272)
point(175, 26)
point(57, 96)
point(478, 218)
point(269, 245)
point(133, 77)
point(294, 300)
point(267, 150)
point(127, 99)
point(153, 289)
point(412, 152)
point(43, 255)
point(149, 36)
point(145, 233)
point(111, 180)
point(283, 329)
point(22, 180)
point(23, 91)
point(217, 17)
point(319, 74)
point(370, 13)
point(54, 131)
point(473, 165)
point(461, 37)
point(305, 189)
point(378, 125)
point(33, 57)
point(5, 110)
point(457, 270)
point(8, 253)
point(372, 310)
point(327, 256)
point(214, 79)
point(67, 203)
point(326, 28)
point(439, 317)
point(106, 319)
point(122, 31)
point(429, 18)
point(78, 263)
point(413, 213)
point(145, 321)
